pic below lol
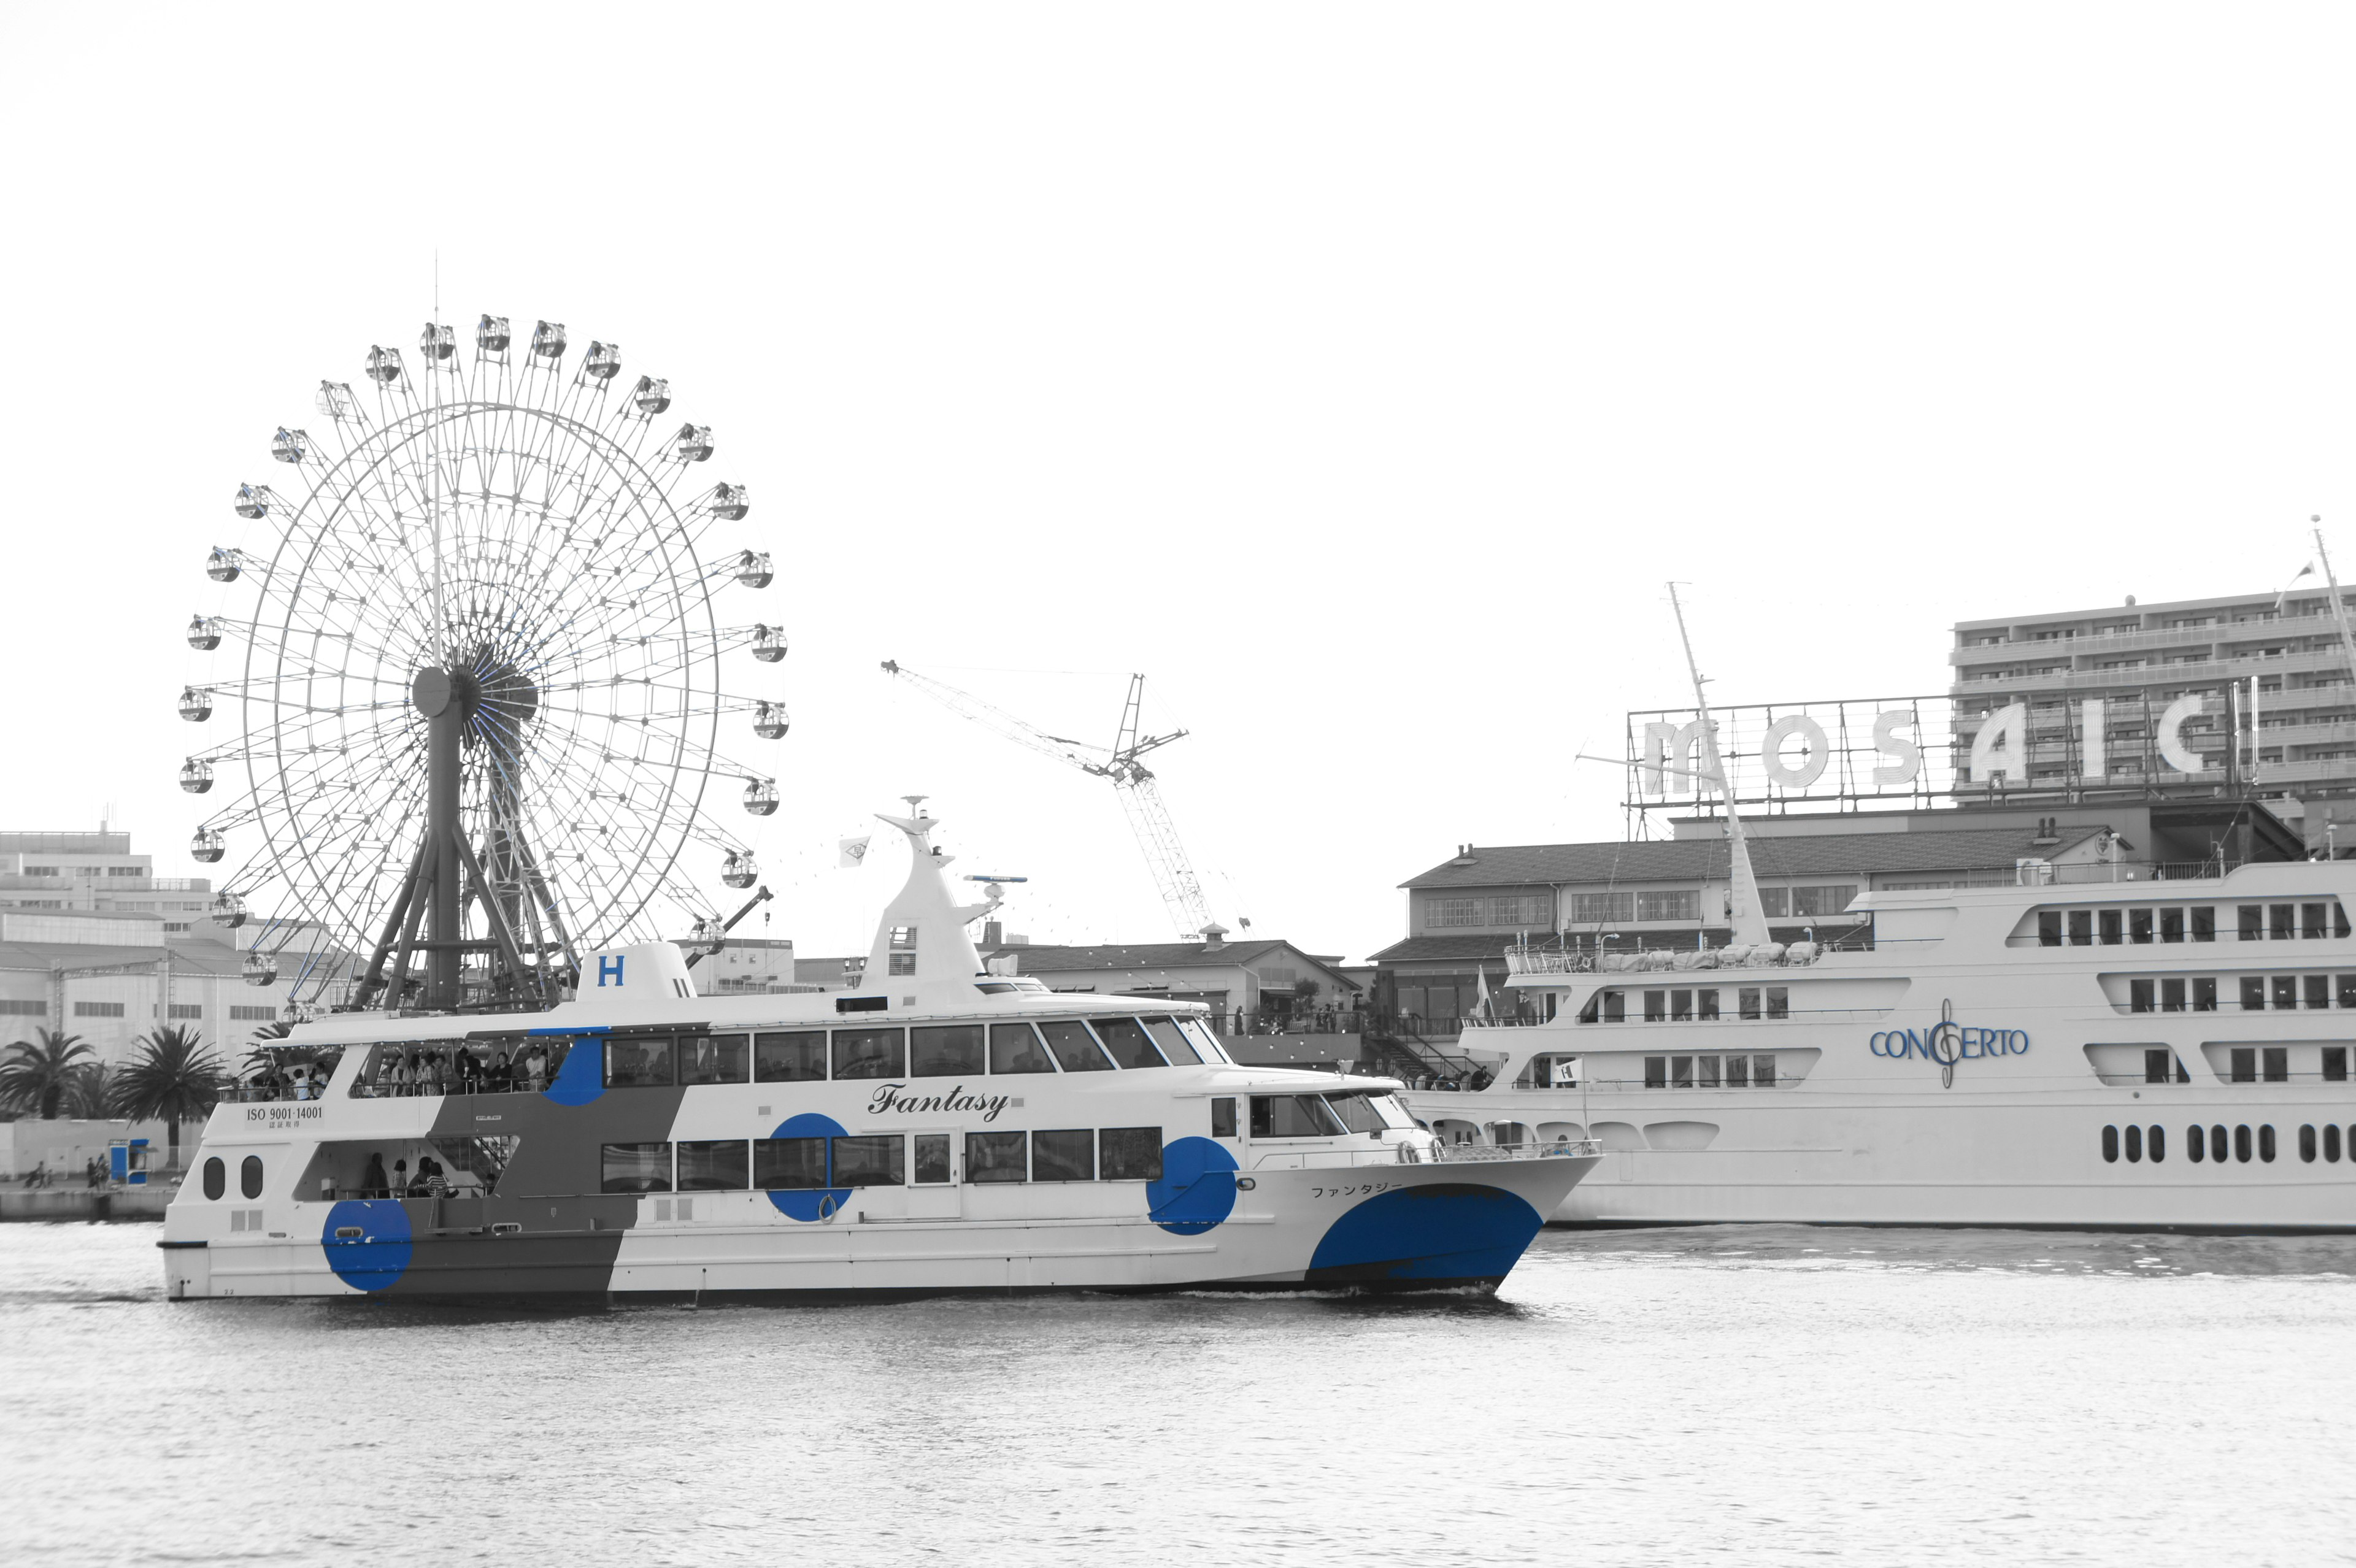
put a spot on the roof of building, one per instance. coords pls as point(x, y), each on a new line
point(200, 958)
point(1036, 959)
point(1626, 863)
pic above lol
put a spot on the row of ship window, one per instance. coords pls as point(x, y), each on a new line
point(2245, 1064)
point(1709, 1072)
point(880, 1159)
point(815, 1055)
point(2198, 923)
point(2138, 1144)
point(2256, 993)
point(1680, 1006)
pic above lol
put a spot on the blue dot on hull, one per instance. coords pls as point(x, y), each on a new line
point(1197, 1188)
point(809, 1203)
point(378, 1255)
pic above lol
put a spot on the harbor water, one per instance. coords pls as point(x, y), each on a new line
point(1776, 1394)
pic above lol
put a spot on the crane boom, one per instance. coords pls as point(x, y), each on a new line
point(1141, 801)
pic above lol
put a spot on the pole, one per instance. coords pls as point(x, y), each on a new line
point(1750, 925)
point(437, 698)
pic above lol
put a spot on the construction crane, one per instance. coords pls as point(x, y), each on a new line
point(1174, 874)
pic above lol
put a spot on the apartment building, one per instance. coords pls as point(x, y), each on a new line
point(2276, 714)
point(66, 870)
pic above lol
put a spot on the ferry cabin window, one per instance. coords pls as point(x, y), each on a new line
point(1125, 1043)
point(2241, 1144)
point(995, 1156)
point(715, 1058)
point(1657, 1007)
point(2171, 925)
point(634, 1167)
point(2254, 993)
point(1075, 1049)
point(2110, 1145)
point(248, 1176)
point(2315, 989)
point(2217, 1144)
point(932, 1161)
point(2049, 928)
point(2139, 995)
point(1615, 1007)
point(1681, 1006)
point(797, 1057)
point(2250, 921)
point(2335, 1065)
point(2278, 921)
point(2159, 1146)
point(641, 1063)
point(1130, 1154)
point(1356, 1113)
point(2156, 1064)
point(2171, 995)
point(2347, 988)
point(215, 1177)
point(2266, 1143)
point(721, 1167)
point(1207, 1045)
point(2287, 992)
point(2135, 1144)
point(1656, 1072)
point(1706, 1071)
point(1747, 1002)
point(2274, 1063)
point(944, 1051)
point(876, 1160)
point(1175, 1048)
point(2139, 926)
point(1738, 1071)
point(2331, 1144)
point(1292, 1116)
point(2192, 1144)
point(1680, 1071)
point(2081, 928)
point(1778, 1002)
point(2313, 921)
point(2244, 1064)
point(2204, 994)
point(1762, 1071)
point(1708, 1003)
point(1223, 1117)
point(2110, 926)
point(1064, 1155)
point(785, 1163)
point(2307, 1144)
point(1015, 1048)
point(870, 1054)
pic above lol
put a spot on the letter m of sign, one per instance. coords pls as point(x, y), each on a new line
point(1673, 750)
point(612, 966)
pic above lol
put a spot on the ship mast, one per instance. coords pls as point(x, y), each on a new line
point(1750, 925)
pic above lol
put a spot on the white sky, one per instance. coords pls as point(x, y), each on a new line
point(1358, 372)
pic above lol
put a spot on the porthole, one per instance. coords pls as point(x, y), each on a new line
point(2331, 1144)
point(2266, 1143)
point(2111, 1144)
point(2217, 1144)
point(2193, 1139)
point(2158, 1143)
point(2135, 1144)
point(2307, 1144)
point(216, 1177)
point(2242, 1143)
point(249, 1174)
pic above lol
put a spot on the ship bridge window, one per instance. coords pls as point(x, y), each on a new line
point(634, 1167)
point(715, 1058)
point(1126, 1043)
point(1173, 1043)
point(1015, 1048)
point(1356, 1112)
point(870, 1054)
point(795, 1057)
point(1293, 1116)
point(944, 1051)
point(1075, 1048)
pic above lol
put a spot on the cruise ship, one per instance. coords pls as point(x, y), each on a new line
point(2146, 1045)
point(944, 1130)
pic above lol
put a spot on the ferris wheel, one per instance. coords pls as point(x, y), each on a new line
point(483, 690)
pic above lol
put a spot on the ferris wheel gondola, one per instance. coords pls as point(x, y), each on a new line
point(489, 609)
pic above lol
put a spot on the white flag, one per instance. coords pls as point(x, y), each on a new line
point(855, 852)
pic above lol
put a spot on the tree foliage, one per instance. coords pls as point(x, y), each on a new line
point(43, 1077)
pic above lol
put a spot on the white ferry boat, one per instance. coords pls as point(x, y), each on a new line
point(2168, 1049)
point(953, 1131)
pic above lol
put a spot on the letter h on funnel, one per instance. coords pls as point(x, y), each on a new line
point(609, 966)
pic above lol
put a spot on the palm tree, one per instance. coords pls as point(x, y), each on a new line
point(36, 1080)
point(172, 1078)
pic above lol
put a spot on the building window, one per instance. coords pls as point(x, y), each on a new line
point(98, 1009)
point(240, 1014)
point(1822, 904)
point(1509, 913)
point(1453, 912)
point(1685, 905)
point(1601, 909)
point(1775, 904)
point(185, 1011)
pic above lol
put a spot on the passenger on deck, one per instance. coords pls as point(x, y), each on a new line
point(400, 1178)
point(373, 1182)
point(497, 1071)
